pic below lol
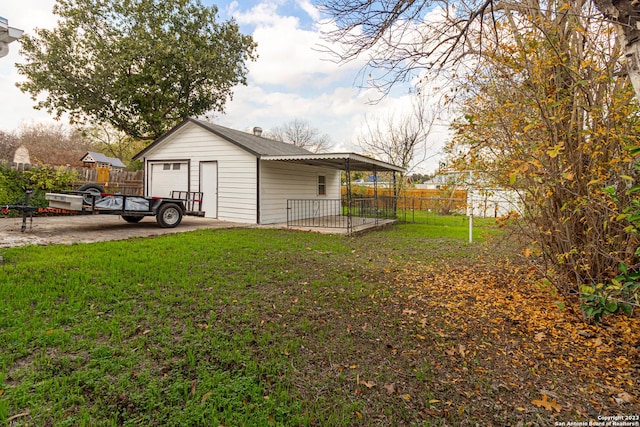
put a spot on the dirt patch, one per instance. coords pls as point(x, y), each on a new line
point(92, 228)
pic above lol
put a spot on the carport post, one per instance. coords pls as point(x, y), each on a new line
point(395, 196)
point(347, 169)
point(375, 191)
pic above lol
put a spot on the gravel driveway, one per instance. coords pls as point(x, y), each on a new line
point(92, 228)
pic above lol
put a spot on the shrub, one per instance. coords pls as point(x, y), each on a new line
point(41, 179)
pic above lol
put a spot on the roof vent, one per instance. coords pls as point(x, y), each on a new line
point(257, 131)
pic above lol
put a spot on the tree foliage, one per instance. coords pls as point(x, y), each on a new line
point(550, 114)
point(114, 143)
point(141, 66)
point(300, 133)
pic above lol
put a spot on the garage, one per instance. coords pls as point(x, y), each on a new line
point(244, 177)
point(166, 177)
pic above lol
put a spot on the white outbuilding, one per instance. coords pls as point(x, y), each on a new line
point(244, 177)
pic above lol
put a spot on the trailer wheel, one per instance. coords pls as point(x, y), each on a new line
point(132, 219)
point(169, 215)
point(94, 191)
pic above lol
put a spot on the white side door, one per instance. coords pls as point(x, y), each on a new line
point(209, 188)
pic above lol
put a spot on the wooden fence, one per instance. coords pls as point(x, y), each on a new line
point(441, 201)
point(113, 181)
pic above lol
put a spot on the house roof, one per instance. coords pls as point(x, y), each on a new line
point(101, 158)
point(256, 145)
point(268, 149)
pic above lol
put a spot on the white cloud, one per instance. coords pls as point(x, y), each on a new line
point(29, 14)
point(17, 107)
point(310, 9)
point(291, 78)
point(287, 54)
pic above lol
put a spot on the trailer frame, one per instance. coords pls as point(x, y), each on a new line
point(167, 210)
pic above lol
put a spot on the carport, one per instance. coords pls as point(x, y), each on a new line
point(350, 213)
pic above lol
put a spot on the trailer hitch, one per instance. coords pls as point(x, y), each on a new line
point(26, 210)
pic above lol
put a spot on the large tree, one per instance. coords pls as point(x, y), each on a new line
point(549, 114)
point(139, 65)
point(403, 38)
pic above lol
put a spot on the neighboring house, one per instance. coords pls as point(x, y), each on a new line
point(243, 177)
point(482, 200)
point(98, 160)
point(488, 202)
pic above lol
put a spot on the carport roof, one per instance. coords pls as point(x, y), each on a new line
point(356, 162)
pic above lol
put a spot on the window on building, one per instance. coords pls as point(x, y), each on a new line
point(166, 166)
point(322, 185)
point(176, 166)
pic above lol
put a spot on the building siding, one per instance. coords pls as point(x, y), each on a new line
point(237, 175)
point(280, 181)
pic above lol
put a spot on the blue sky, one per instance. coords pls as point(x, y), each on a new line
point(291, 78)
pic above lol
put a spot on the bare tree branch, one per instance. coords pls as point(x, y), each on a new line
point(300, 133)
point(400, 139)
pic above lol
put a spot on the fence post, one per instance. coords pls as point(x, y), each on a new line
point(471, 227)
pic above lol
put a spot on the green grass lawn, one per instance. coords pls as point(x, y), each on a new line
point(244, 327)
point(451, 226)
point(409, 325)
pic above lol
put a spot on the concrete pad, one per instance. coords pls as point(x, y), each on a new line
point(93, 228)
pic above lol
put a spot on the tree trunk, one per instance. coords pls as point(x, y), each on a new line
point(625, 14)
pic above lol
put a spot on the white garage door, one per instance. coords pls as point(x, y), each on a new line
point(167, 177)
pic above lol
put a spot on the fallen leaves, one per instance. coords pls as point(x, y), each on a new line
point(367, 384)
point(390, 388)
point(539, 337)
point(624, 397)
point(547, 404)
point(462, 350)
point(494, 325)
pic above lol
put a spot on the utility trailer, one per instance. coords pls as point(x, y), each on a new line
point(90, 200)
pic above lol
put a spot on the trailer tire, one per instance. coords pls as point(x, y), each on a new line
point(95, 193)
point(131, 219)
point(169, 215)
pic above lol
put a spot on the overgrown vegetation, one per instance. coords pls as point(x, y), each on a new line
point(41, 179)
point(272, 327)
point(552, 116)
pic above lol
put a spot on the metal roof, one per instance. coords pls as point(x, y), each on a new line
point(252, 143)
point(357, 162)
point(101, 158)
point(270, 150)
point(256, 145)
